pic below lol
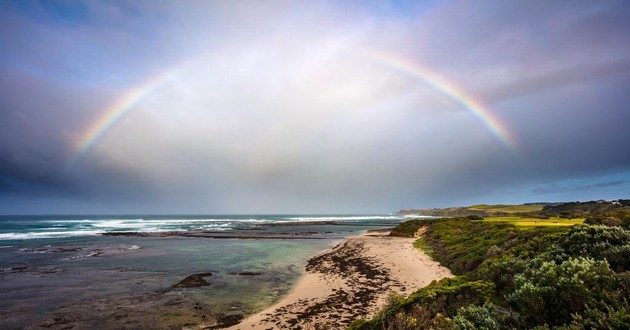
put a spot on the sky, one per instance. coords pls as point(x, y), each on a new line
point(242, 107)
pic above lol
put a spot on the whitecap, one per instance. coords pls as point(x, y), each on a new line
point(347, 218)
point(49, 234)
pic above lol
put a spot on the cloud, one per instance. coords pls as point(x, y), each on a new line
point(277, 106)
point(604, 185)
point(551, 81)
point(555, 189)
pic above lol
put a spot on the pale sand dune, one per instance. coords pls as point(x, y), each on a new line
point(350, 281)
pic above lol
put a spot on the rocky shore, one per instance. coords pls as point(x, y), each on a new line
point(352, 280)
point(240, 234)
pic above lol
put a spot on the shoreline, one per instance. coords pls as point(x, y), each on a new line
point(259, 231)
point(352, 280)
point(336, 285)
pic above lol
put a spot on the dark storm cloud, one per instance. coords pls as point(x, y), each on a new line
point(38, 118)
point(562, 189)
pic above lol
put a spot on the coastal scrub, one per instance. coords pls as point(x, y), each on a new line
point(545, 278)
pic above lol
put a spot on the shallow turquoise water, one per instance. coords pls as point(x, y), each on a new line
point(43, 277)
point(41, 273)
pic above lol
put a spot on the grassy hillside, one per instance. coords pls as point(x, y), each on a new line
point(514, 274)
point(571, 210)
point(507, 208)
point(480, 210)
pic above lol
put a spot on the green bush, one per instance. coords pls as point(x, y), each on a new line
point(550, 293)
point(474, 317)
point(409, 228)
point(462, 245)
point(609, 318)
point(544, 278)
point(597, 242)
point(620, 217)
point(423, 307)
point(501, 271)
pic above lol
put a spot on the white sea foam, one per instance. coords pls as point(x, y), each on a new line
point(55, 228)
point(346, 218)
point(184, 221)
point(49, 234)
point(70, 221)
point(116, 224)
point(416, 216)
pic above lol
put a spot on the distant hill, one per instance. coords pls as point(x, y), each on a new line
point(484, 210)
point(585, 209)
point(540, 210)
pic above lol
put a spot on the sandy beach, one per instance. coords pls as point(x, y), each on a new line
point(350, 281)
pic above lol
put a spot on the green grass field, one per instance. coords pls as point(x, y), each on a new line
point(506, 208)
point(526, 223)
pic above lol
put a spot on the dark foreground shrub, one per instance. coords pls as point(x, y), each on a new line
point(475, 317)
point(427, 307)
point(597, 242)
point(550, 293)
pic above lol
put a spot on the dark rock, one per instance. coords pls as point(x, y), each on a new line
point(18, 269)
point(193, 281)
point(246, 273)
point(57, 321)
point(241, 234)
point(226, 321)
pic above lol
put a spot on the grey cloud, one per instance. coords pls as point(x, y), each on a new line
point(557, 189)
point(549, 81)
point(279, 110)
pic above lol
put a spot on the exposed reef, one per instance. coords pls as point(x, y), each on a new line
point(193, 281)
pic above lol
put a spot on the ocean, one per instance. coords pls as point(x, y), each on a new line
point(123, 271)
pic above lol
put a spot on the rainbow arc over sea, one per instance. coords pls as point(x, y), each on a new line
point(113, 114)
point(449, 89)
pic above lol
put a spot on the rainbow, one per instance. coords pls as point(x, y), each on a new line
point(451, 90)
point(129, 100)
point(115, 111)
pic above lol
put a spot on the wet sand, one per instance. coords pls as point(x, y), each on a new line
point(350, 281)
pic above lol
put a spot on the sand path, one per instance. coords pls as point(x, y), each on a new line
point(353, 280)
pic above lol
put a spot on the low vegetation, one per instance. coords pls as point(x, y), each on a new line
point(552, 211)
point(516, 273)
point(530, 222)
point(484, 210)
point(585, 209)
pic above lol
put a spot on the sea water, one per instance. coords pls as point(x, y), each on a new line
point(50, 263)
